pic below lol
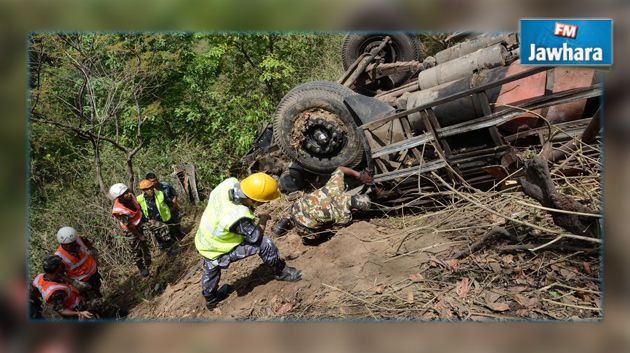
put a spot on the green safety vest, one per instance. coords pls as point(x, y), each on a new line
point(163, 209)
point(213, 237)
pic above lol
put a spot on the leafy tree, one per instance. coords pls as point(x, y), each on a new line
point(106, 106)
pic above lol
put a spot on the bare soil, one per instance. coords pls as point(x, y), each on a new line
point(390, 268)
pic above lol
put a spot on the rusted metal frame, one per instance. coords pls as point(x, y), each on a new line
point(403, 145)
point(426, 167)
point(379, 163)
point(453, 97)
point(457, 158)
point(434, 126)
point(572, 128)
point(441, 146)
point(432, 165)
point(409, 87)
point(496, 118)
point(505, 115)
point(378, 70)
point(377, 140)
point(390, 132)
point(482, 99)
point(352, 68)
point(362, 65)
point(404, 122)
point(407, 133)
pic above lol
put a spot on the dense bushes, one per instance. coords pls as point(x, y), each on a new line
point(187, 98)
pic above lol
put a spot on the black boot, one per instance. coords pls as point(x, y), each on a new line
point(213, 299)
point(282, 227)
point(282, 272)
point(173, 250)
point(144, 271)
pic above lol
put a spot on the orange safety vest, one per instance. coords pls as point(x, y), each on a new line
point(81, 268)
point(47, 288)
point(135, 215)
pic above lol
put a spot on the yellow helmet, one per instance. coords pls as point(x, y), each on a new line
point(260, 187)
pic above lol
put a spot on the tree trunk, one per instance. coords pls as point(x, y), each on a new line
point(97, 165)
point(131, 178)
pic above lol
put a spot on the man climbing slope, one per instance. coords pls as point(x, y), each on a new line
point(156, 212)
point(227, 232)
point(173, 223)
point(127, 211)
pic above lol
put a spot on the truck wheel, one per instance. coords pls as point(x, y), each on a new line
point(403, 47)
point(330, 86)
point(314, 128)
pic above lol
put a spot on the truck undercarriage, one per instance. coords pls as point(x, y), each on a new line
point(465, 116)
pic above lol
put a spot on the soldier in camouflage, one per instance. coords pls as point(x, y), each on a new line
point(330, 205)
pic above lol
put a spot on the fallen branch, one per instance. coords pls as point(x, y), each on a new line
point(365, 301)
point(424, 249)
point(556, 284)
point(490, 235)
point(479, 204)
point(531, 247)
point(557, 210)
point(538, 184)
point(572, 305)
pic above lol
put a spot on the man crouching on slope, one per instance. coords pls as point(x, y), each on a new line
point(319, 211)
point(227, 232)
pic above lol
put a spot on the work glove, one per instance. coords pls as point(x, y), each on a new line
point(365, 176)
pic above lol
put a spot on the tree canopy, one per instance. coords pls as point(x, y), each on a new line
point(109, 107)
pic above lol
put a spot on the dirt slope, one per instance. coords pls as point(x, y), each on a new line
point(349, 261)
point(393, 268)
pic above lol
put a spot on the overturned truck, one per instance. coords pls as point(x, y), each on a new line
point(462, 115)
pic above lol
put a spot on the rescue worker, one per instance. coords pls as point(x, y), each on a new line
point(227, 233)
point(156, 211)
point(174, 224)
point(127, 211)
point(79, 259)
point(53, 288)
point(315, 213)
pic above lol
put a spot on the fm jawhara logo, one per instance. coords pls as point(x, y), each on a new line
point(566, 42)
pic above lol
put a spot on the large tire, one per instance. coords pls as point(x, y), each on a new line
point(403, 47)
point(315, 106)
point(329, 86)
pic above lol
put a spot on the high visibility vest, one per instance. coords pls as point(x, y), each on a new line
point(47, 288)
point(213, 237)
point(135, 215)
point(162, 207)
point(81, 268)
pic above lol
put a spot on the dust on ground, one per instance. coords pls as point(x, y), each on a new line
point(395, 268)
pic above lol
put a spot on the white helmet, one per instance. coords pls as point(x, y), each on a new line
point(66, 235)
point(117, 190)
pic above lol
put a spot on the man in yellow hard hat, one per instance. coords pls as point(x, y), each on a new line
point(228, 232)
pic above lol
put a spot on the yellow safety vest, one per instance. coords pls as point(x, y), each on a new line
point(162, 207)
point(213, 237)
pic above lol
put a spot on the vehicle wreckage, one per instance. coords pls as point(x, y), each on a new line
point(462, 115)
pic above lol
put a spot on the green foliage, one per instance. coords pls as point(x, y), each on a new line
point(200, 99)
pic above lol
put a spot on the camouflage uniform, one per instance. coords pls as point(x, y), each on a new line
point(324, 207)
point(160, 233)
